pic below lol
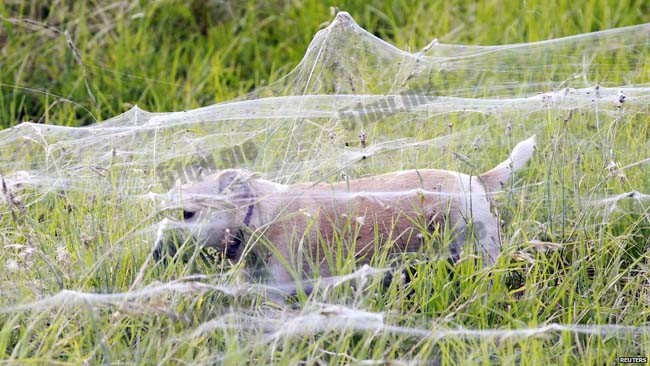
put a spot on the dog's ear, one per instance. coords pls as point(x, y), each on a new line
point(235, 183)
point(231, 178)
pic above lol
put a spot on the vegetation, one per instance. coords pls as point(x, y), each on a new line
point(79, 62)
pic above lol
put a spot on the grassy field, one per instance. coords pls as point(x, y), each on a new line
point(77, 63)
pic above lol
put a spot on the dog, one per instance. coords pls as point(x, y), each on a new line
point(300, 223)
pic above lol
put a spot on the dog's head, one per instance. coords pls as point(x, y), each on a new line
point(215, 213)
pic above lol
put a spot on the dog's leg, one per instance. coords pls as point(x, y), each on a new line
point(458, 241)
point(486, 232)
point(480, 231)
point(278, 271)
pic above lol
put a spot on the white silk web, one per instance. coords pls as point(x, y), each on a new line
point(357, 106)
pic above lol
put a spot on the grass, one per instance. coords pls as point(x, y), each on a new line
point(168, 56)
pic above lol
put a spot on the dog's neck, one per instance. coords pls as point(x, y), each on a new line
point(243, 195)
point(249, 212)
point(264, 205)
point(233, 250)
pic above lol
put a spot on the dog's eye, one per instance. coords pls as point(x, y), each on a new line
point(188, 214)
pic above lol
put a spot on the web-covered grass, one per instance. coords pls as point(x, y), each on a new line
point(78, 221)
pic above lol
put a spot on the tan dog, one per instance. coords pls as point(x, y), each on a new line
point(301, 223)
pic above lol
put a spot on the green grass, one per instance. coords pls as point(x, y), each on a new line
point(168, 56)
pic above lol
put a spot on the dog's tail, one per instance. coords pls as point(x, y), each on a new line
point(497, 177)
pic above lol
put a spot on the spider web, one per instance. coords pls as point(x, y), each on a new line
point(357, 106)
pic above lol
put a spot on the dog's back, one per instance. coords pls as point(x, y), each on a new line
point(395, 208)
